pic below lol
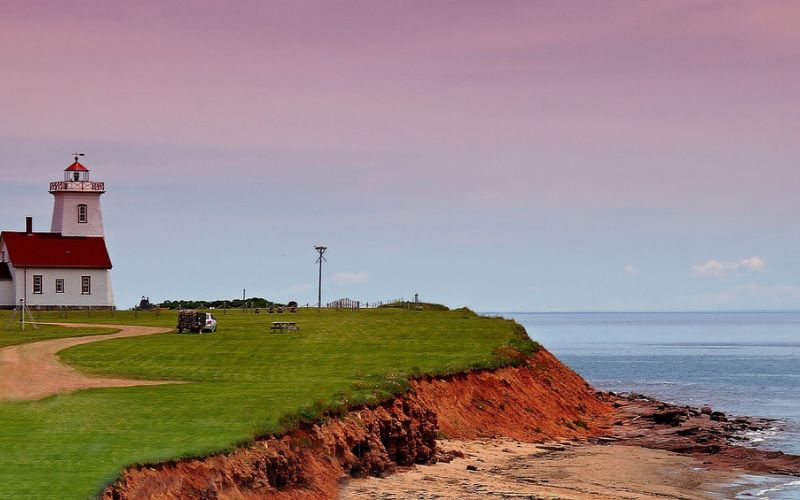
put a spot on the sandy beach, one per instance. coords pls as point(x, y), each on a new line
point(504, 468)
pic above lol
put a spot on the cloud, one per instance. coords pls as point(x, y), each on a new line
point(351, 278)
point(630, 270)
point(719, 269)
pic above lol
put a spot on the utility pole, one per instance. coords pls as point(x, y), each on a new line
point(321, 250)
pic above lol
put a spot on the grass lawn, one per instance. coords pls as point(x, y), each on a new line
point(243, 381)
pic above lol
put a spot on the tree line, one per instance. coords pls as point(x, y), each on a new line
point(219, 304)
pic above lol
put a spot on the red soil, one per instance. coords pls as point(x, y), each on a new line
point(540, 400)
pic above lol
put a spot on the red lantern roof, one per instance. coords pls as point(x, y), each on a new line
point(76, 167)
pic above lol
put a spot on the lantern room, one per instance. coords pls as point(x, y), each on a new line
point(76, 172)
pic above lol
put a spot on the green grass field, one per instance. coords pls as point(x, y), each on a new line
point(243, 381)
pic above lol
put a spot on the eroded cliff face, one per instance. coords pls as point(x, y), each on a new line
point(540, 400)
point(537, 401)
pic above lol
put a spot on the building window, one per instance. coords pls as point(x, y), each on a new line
point(86, 285)
point(83, 216)
point(59, 286)
point(37, 283)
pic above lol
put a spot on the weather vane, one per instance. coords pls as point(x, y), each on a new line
point(76, 155)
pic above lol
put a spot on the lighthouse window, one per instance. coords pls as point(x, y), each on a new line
point(59, 286)
point(37, 283)
point(86, 285)
point(82, 213)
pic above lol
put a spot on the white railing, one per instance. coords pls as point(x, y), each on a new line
point(77, 186)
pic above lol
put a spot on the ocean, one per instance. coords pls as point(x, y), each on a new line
point(742, 363)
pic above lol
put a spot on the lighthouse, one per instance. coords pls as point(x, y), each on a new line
point(68, 266)
point(76, 211)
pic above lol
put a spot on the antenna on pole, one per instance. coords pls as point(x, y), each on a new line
point(22, 315)
point(321, 250)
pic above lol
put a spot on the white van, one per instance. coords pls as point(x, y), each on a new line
point(209, 323)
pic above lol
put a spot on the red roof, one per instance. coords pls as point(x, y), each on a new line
point(54, 250)
point(76, 167)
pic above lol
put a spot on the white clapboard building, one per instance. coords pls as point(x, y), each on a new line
point(68, 266)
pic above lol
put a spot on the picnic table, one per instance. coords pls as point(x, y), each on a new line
point(284, 326)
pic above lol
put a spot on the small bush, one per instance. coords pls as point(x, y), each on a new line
point(313, 412)
point(522, 342)
point(466, 312)
point(288, 421)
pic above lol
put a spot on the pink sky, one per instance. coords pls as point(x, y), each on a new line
point(676, 116)
point(386, 74)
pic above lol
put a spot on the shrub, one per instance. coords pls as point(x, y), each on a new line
point(466, 312)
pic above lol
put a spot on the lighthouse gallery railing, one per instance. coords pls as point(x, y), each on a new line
point(77, 186)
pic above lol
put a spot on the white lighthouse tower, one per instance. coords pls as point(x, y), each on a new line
point(76, 211)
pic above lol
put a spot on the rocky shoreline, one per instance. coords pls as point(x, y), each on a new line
point(718, 440)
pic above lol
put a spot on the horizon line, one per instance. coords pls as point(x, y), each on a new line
point(697, 311)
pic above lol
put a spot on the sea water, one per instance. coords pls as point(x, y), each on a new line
point(742, 363)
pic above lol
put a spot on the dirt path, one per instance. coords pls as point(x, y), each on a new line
point(34, 371)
